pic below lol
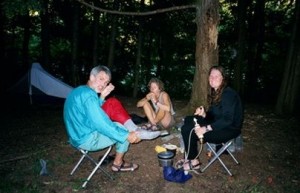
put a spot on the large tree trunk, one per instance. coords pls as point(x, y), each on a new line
point(206, 50)
point(287, 102)
point(241, 48)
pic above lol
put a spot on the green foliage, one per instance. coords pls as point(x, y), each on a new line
point(168, 49)
point(12, 8)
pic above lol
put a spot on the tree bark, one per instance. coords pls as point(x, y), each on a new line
point(137, 66)
point(25, 43)
point(256, 42)
point(113, 33)
point(75, 38)
point(287, 102)
point(241, 48)
point(207, 20)
point(95, 37)
point(45, 41)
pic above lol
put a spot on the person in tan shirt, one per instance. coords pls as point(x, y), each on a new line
point(157, 106)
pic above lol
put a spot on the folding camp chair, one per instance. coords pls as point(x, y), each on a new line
point(216, 155)
point(97, 164)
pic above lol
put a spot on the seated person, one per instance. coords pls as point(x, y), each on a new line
point(157, 106)
point(222, 122)
point(89, 127)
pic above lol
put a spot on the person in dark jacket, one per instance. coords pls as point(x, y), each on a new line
point(221, 122)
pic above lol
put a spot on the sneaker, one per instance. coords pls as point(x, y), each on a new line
point(164, 133)
point(147, 135)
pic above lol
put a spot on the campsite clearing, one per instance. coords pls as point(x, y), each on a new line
point(30, 133)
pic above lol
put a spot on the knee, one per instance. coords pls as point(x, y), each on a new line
point(186, 129)
point(113, 100)
point(147, 105)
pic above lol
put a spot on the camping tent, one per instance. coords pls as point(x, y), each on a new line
point(38, 81)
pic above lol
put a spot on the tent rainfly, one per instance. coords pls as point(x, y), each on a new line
point(37, 81)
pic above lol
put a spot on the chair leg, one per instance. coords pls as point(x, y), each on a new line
point(217, 156)
point(96, 163)
point(84, 154)
point(235, 160)
point(97, 167)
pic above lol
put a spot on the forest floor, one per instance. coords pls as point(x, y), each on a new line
point(29, 134)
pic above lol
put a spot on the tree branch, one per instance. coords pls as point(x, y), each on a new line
point(137, 13)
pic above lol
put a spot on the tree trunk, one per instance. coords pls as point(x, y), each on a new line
point(113, 33)
point(25, 43)
point(45, 41)
point(256, 42)
point(5, 68)
point(112, 43)
point(207, 20)
point(137, 66)
point(95, 37)
point(287, 102)
point(75, 38)
point(241, 48)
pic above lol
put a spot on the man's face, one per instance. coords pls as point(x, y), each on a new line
point(100, 81)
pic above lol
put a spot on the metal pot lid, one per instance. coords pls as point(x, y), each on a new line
point(165, 155)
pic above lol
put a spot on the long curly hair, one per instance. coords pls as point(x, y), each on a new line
point(214, 96)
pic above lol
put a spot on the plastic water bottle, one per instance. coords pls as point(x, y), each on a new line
point(181, 144)
point(44, 170)
point(232, 147)
point(168, 138)
point(239, 143)
point(180, 124)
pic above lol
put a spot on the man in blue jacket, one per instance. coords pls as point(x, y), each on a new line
point(89, 127)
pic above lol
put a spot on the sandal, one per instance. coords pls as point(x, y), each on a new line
point(191, 167)
point(149, 127)
point(209, 154)
point(107, 160)
point(124, 167)
point(179, 163)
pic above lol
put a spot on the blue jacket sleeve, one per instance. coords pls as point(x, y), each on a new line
point(100, 121)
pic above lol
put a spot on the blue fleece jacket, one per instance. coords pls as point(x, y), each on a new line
point(83, 116)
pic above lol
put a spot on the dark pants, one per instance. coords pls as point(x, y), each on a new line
point(214, 136)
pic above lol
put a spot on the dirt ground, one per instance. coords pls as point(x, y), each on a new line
point(29, 134)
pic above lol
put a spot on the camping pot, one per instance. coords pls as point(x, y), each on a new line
point(165, 158)
point(171, 148)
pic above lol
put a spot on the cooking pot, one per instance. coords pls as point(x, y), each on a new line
point(165, 158)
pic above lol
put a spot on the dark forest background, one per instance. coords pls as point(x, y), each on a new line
point(256, 37)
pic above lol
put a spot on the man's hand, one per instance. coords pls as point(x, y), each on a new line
point(200, 111)
point(133, 138)
point(110, 87)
